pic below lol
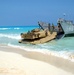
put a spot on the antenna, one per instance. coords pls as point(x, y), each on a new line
point(64, 14)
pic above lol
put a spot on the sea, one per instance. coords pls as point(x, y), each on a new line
point(10, 35)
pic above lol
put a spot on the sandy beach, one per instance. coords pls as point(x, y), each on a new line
point(14, 61)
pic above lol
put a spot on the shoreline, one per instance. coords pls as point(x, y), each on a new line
point(58, 62)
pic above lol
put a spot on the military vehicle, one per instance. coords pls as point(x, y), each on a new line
point(39, 35)
point(47, 32)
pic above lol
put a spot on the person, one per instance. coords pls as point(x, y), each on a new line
point(49, 26)
point(59, 27)
point(52, 29)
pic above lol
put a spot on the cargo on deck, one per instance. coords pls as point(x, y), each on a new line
point(47, 32)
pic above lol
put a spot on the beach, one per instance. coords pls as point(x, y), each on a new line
point(15, 61)
point(36, 37)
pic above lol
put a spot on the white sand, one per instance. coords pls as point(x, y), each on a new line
point(14, 63)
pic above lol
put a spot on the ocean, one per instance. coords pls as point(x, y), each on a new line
point(10, 35)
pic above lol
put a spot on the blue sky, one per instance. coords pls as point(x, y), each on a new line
point(29, 12)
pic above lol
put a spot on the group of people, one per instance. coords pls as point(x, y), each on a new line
point(53, 28)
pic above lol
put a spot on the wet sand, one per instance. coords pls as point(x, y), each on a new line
point(14, 61)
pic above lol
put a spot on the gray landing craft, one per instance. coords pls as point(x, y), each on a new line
point(47, 32)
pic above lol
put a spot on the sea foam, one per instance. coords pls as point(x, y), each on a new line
point(11, 36)
point(62, 54)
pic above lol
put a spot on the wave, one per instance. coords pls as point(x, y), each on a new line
point(62, 54)
point(10, 36)
point(15, 28)
point(5, 28)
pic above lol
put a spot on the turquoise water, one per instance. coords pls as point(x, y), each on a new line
point(10, 35)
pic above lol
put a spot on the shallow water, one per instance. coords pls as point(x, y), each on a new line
point(10, 35)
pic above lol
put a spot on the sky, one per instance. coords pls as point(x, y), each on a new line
point(29, 12)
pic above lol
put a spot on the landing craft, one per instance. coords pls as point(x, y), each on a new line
point(47, 32)
point(67, 27)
